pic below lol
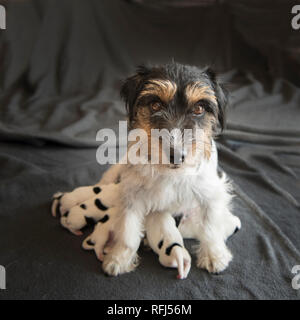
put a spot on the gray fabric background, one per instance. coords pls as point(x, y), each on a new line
point(61, 66)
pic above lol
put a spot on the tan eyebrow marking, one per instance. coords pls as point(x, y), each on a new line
point(197, 91)
point(164, 89)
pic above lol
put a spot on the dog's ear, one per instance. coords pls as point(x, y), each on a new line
point(221, 95)
point(130, 90)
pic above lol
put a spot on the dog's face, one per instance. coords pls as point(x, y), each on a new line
point(177, 97)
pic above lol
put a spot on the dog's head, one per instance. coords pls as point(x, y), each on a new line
point(176, 97)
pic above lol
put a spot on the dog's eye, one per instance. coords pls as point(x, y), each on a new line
point(156, 106)
point(198, 110)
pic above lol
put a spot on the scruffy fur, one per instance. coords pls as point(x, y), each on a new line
point(174, 188)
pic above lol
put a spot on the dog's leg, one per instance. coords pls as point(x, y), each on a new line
point(213, 254)
point(122, 257)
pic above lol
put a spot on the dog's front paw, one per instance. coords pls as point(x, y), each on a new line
point(119, 261)
point(215, 259)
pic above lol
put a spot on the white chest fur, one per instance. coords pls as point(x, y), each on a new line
point(173, 191)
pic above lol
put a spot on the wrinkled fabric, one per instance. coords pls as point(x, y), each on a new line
point(61, 66)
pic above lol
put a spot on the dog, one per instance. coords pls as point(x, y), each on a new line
point(174, 96)
point(165, 239)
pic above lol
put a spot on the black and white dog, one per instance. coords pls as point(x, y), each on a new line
point(170, 97)
point(180, 97)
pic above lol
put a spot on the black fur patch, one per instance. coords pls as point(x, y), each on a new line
point(90, 243)
point(104, 219)
point(100, 205)
point(66, 213)
point(178, 219)
point(160, 244)
point(89, 221)
point(169, 249)
point(97, 190)
point(83, 206)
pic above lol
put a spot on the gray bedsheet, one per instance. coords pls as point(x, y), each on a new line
point(61, 67)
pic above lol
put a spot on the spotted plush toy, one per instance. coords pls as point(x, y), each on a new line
point(100, 204)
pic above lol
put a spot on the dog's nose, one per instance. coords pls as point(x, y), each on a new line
point(176, 156)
